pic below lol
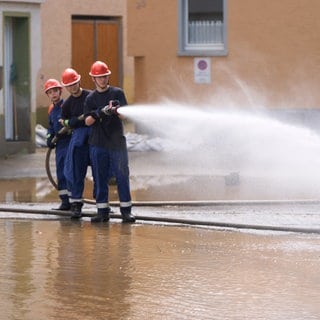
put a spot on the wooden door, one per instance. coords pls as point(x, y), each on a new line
point(93, 40)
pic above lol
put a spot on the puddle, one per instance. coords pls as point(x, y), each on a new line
point(115, 271)
point(156, 188)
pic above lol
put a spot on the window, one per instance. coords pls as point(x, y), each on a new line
point(202, 27)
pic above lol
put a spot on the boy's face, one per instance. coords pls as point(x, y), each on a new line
point(101, 82)
point(54, 94)
point(74, 89)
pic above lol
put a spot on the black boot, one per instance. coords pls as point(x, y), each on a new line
point(65, 203)
point(102, 216)
point(128, 217)
point(76, 210)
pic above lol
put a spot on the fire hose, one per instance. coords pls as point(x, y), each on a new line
point(189, 222)
point(62, 131)
point(109, 109)
point(48, 170)
point(52, 180)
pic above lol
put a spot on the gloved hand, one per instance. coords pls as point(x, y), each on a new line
point(64, 131)
point(97, 114)
point(64, 123)
point(75, 122)
point(50, 143)
point(111, 108)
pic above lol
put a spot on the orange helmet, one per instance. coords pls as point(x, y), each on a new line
point(99, 69)
point(70, 77)
point(51, 83)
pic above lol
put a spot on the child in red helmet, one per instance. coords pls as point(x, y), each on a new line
point(78, 153)
point(56, 140)
point(108, 149)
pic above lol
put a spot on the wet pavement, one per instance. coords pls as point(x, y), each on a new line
point(54, 269)
point(159, 181)
point(163, 190)
point(155, 268)
point(161, 176)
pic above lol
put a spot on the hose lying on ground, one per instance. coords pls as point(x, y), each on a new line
point(189, 222)
point(175, 203)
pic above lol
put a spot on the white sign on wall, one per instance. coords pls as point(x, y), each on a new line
point(202, 70)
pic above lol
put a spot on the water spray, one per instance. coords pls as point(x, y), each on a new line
point(234, 143)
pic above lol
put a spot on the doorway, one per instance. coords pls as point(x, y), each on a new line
point(97, 39)
point(17, 78)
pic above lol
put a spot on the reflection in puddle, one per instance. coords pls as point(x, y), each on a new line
point(158, 188)
point(115, 271)
point(31, 190)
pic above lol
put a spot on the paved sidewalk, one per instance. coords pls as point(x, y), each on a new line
point(24, 165)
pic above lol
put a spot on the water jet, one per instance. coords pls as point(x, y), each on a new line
point(266, 153)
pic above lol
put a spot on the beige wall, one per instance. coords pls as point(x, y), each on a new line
point(56, 38)
point(278, 42)
point(273, 55)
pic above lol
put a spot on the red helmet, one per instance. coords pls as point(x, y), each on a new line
point(51, 83)
point(70, 77)
point(99, 69)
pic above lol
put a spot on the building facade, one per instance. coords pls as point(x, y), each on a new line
point(75, 34)
point(221, 53)
point(244, 54)
point(45, 37)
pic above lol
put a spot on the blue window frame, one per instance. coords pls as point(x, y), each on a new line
point(202, 27)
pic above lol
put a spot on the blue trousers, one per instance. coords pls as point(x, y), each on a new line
point(76, 170)
point(63, 184)
point(77, 162)
point(105, 164)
